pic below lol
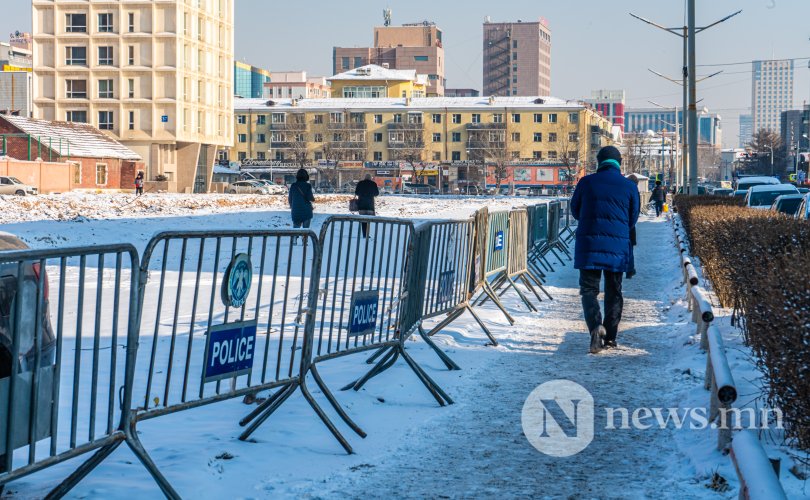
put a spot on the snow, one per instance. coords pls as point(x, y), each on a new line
point(474, 448)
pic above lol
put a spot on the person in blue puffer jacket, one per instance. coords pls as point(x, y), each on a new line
point(606, 204)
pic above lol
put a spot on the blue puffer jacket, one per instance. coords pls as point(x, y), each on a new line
point(301, 199)
point(606, 206)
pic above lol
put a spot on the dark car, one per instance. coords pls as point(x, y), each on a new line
point(787, 204)
point(722, 192)
point(9, 295)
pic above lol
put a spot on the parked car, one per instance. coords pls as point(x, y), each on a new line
point(762, 196)
point(744, 183)
point(416, 188)
point(701, 190)
point(272, 187)
point(9, 295)
point(803, 212)
point(349, 187)
point(803, 190)
point(247, 187)
point(787, 203)
point(738, 193)
point(529, 191)
point(12, 185)
point(469, 188)
point(722, 191)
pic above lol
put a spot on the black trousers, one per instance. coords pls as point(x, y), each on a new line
point(589, 281)
point(659, 207)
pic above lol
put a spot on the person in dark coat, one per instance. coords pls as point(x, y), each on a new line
point(139, 183)
point(301, 199)
point(366, 191)
point(659, 196)
point(606, 204)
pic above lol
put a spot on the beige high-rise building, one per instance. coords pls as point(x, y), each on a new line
point(517, 58)
point(156, 75)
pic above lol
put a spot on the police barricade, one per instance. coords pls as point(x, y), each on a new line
point(538, 240)
point(224, 314)
point(567, 233)
point(364, 299)
point(446, 286)
point(554, 242)
point(68, 336)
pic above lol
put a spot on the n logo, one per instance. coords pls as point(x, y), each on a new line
point(558, 418)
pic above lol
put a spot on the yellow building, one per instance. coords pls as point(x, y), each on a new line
point(374, 82)
point(534, 141)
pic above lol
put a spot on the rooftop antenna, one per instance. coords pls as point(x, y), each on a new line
point(387, 17)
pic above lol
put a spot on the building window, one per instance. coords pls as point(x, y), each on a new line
point(318, 119)
point(573, 117)
point(101, 174)
point(366, 91)
point(105, 89)
point(76, 23)
point(132, 120)
point(76, 89)
point(377, 155)
point(514, 44)
point(241, 119)
point(318, 155)
point(515, 117)
point(278, 118)
point(131, 88)
point(476, 118)
point(105, 120)
point(573, 137)
point(261, 155)
point(105, 56)
point(537, 155)
point(242, 138)
point(552, 137)
point(456, 156)
point(415, 118)
point(358, 61)
point(261, 120)
point(131, 18)
point(437, 156)
point(456, 118)
point(552, 117)
point(515, 155)
point(345, 62)
point(515, 136)
point(552, 155)
point(242, 156)
point(437, 137)
point(538, 118)
point(105, 22)
point(437, 118)
point(378, 137)
point(76, 116)
point(279, 156)
point(456, 137)
point(420, 58)
point(318, 138)
point(377, 118)
point(261, 138)
point(76, 56)
point(497, 118)
point(538, 137)
point(131, 55)
point(336, 118)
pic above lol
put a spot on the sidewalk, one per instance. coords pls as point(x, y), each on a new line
point(478, 449)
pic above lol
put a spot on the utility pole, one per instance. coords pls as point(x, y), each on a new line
point(689, 136)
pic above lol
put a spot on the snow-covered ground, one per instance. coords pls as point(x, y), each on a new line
point(474, 448)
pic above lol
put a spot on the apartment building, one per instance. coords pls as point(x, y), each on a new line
point(248, 81)
point(296, 84)
point(155, 75)
point(372, 81)
point(542, 139)
point(771, 92)
point(517, 58)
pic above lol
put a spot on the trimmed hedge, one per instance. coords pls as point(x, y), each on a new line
point(759, 263)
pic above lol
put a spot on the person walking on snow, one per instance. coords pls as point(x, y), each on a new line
point(301, 199)
point(606, 204)
point(659, 196)
point(366, 191)
point(139, 183)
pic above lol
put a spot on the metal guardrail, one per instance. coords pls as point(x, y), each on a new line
point(758, 479)
point(93, 291)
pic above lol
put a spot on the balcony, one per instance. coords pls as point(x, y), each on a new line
point(407, 145)
point(486, 126)
point(347, 126)
point(348, 145)
point(280, 145)
point(290, 125)
point(406, 126)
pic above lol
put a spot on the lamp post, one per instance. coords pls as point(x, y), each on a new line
point(771, 148)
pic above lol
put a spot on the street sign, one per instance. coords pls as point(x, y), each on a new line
point(164, 118)
point(229, 350)
point(363, 312)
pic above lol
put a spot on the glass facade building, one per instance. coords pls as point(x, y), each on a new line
point(248, 81)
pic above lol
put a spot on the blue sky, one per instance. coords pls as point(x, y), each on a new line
point(596, 44)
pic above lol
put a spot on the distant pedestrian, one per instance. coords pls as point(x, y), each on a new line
point(606, 204)
point(659, 196)
point(301, 199)
point(366, 191)
point(139, 183)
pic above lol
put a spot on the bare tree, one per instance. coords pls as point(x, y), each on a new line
point(567, 147)
point(765, 144)
point(488, 145)
point(295, 132)
point(407, 144)
point(633, 154)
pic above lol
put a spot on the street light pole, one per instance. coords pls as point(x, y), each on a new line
point(771, 148)
point(691, 126)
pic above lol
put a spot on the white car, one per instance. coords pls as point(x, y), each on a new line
point(247, 187)
point(272, 187)
point(744, 183)
point(761, 197)
point(12, 185)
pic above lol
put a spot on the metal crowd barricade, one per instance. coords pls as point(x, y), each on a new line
point(364, 299)
point(554, 241)
point(539, 239)
point(567, 232)
point(68, 337)
point(239, 298)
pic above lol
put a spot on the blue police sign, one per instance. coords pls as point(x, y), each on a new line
point(446, 280)
point(363, 312)
point(164, 118)
point(499, 240)
point(237, 280)
point(229, 350)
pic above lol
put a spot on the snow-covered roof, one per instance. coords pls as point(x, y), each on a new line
point(220, 169)
point(85, 141)
point(539, 103)
point(374, 72)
